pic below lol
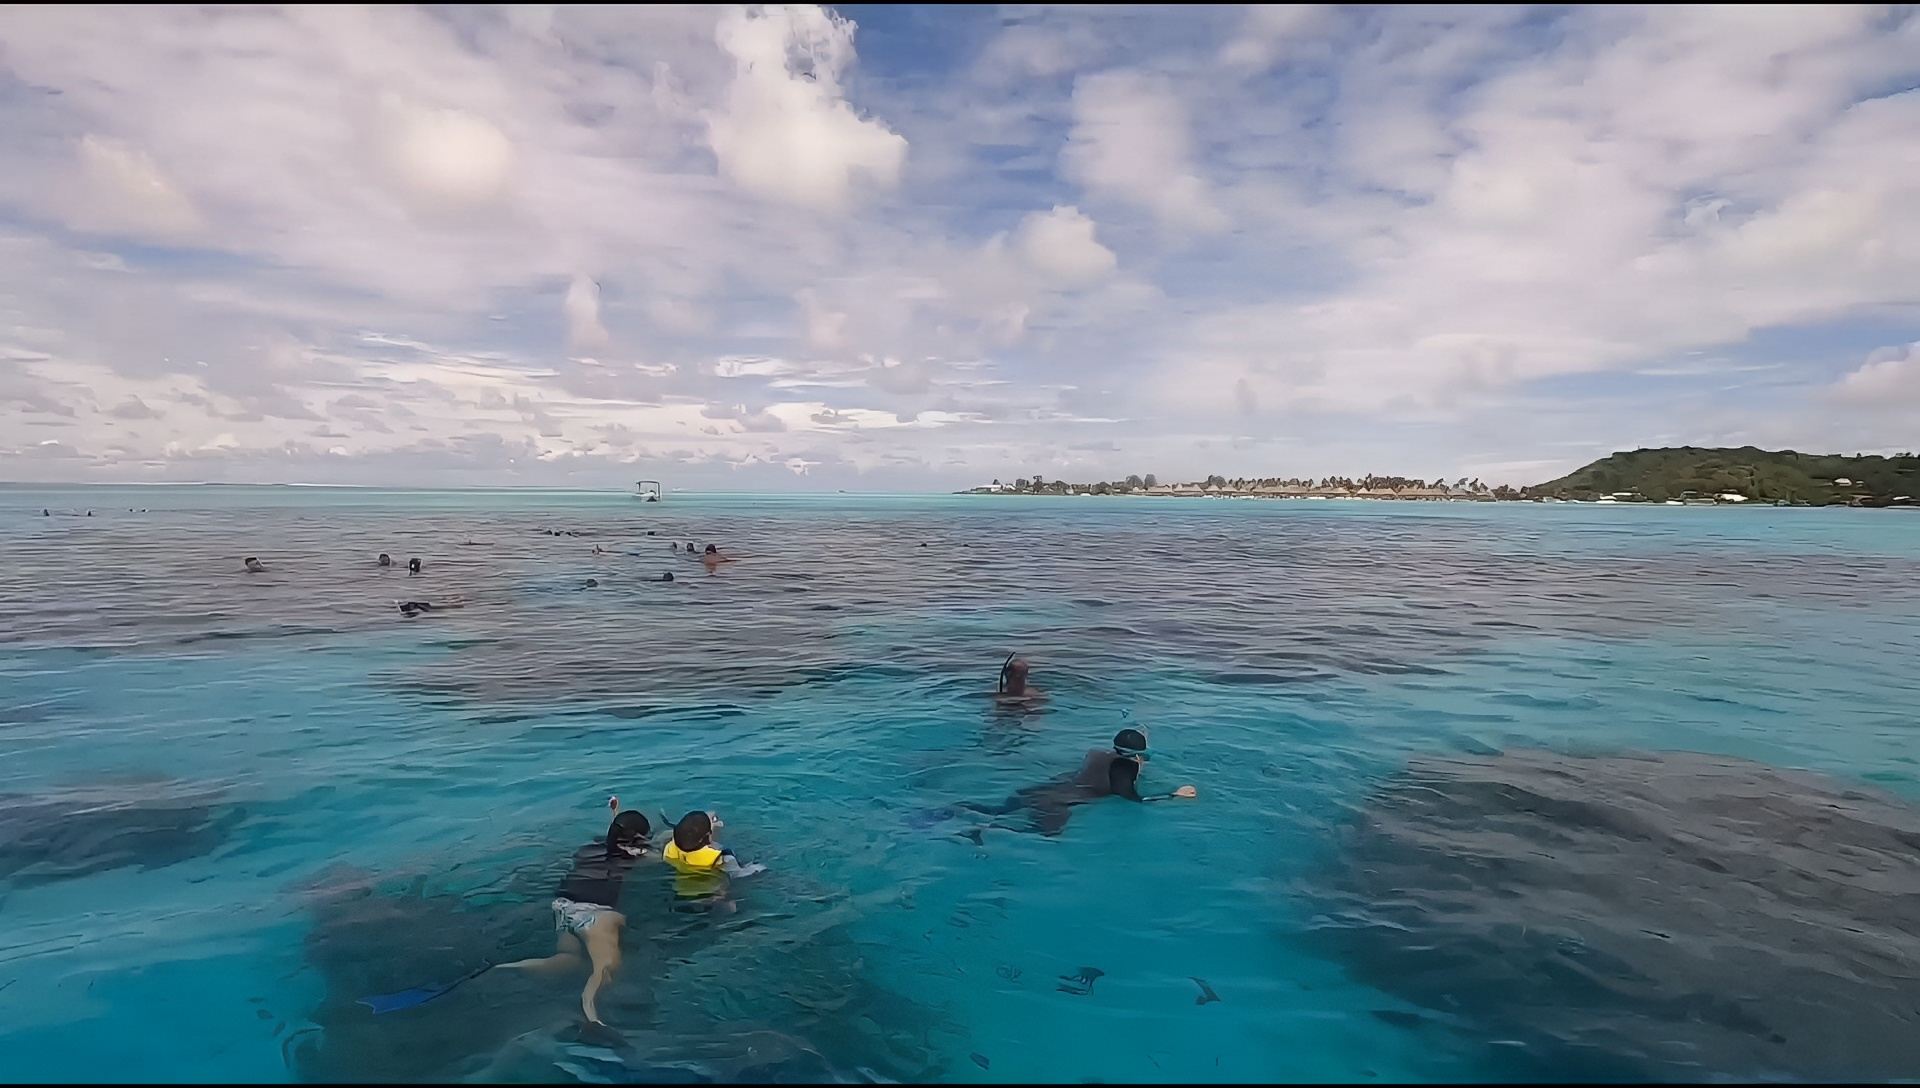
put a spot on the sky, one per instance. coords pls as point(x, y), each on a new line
point(881, 248)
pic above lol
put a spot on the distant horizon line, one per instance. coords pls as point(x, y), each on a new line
point(56, 484)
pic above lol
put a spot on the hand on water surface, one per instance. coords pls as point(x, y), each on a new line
point(1186, 791)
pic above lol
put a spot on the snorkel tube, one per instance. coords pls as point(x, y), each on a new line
point(1001, 688)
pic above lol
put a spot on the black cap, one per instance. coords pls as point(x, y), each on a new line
point(1130, 741)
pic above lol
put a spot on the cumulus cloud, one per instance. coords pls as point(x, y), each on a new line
point(1131, 141)
point(786, 132)
point(1061, 245)
point(444, 159)
point(477, 244)
point(1889, 379)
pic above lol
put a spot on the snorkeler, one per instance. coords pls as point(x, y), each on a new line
point(413, 565)
point(586, 915)
point(701, 866)
point(385, 560)
point(1111, 772)
point(586, 918)
point(1013, 682)
point(253, 565)
point(413, 609)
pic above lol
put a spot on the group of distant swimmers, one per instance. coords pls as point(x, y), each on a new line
point(711, 559)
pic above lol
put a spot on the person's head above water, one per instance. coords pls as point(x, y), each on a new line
point(689, 547)
point(1013, 676)
point(695, 830)
point(1131, 743)
point(629, 834)
point(592, 582)
point(413, 565)
point(253, 564)
point(711, 550)
point(385, 560)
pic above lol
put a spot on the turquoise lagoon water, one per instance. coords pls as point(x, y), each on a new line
point(230, 804)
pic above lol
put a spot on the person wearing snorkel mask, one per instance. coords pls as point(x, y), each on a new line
point(586, 915)
point(1014, 687)
point(1105, 772)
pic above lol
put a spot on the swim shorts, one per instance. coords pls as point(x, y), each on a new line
point(572, 917)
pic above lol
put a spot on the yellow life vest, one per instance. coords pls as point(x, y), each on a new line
point(697, 872)
point(704, 860)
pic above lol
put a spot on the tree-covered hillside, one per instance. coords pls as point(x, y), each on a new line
point(1764, 475)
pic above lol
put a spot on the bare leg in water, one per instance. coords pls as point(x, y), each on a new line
point(600, 943)
point(603, 949)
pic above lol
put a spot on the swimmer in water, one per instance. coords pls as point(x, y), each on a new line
point(385, 560)
point(689, 547)
point(592, 582)
point(666, 576)
point(413, 609)
point(1113, 772)
point(586, 908)
point(1014, 687)
point(413, 566)
point(253, 565)
point(703, 868)
point(712, 559)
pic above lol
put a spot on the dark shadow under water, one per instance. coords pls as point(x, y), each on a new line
point(1641, 917)
point(75, 833)
point(375, 936)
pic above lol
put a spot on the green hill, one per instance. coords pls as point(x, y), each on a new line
point(1762, 475)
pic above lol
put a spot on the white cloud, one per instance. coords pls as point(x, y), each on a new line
point(1131, 141)
point(445, 160)
point(582, 307)
point(1439, 216)
point(1889, 379)
point(1268, 30)
point(786, 132)
point(1061, 245)
point(121, 190)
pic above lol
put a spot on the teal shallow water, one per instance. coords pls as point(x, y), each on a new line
point(231, 803)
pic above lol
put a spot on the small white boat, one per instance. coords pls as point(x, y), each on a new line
point(649, 490)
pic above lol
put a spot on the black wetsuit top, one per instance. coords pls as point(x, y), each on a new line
point(1049, 805)
point(596, 876)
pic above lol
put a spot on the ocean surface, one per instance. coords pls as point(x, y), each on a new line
point(1485, 791)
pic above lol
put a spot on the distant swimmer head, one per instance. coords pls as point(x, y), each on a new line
point(414, 608)
point(711, 550)
point(667, 576)
point(1131, 743)
point(592, 582)
point(413, 565)
point(689, 547)
point(629, 834)
point(385, 560)
point(694, 831)
point(253, 565)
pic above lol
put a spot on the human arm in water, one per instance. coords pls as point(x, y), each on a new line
point(1123, 777)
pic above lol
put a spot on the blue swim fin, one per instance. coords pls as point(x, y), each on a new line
point(419, 995)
